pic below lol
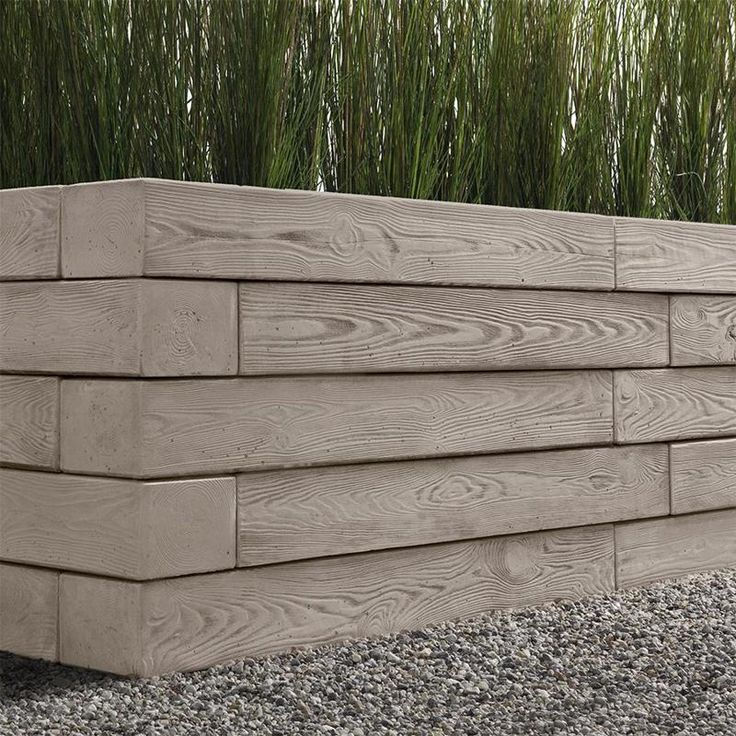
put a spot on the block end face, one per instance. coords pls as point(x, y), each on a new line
point(28, 611)
point(99, 624)
point(101, 427)
point(29, 233)
point(103, 229)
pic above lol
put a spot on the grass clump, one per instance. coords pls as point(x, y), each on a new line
point(623, 107)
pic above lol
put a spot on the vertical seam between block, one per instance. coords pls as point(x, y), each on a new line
point(237, 523)
point(141, 302)
point(669, 330)
point(58, 250)
point(613, 407)
point(615, 258)
point(144, 234)
point(237, 320)
point(57, 452)
point(615, 559)
point(58, 616)
point(669, 477)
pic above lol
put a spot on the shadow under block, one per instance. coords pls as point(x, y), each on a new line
point(169, 428)
point(660, 255)
point(674, 403)
point(703, 475)
point(313, 512)
point(28, 611)
point(194, 622)
point(119, 327)
point(121, 528)
point(29, 233)
point(703, 330)
point(332, 328)
point(184, 229)
point(29, 421)
point(657, 549)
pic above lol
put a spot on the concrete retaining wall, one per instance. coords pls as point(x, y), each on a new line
point(238, 420)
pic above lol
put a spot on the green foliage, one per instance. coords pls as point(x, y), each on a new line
point(621, 107)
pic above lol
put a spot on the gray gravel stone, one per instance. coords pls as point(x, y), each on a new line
point(656, 661)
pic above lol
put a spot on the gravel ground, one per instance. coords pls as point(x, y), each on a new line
point(655, 661)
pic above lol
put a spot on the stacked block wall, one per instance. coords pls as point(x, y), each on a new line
point(237, 420)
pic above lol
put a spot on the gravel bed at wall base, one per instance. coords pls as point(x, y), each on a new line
point(660, 660)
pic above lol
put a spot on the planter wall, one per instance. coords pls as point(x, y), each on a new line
point(235, 420)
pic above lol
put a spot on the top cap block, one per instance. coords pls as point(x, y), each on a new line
point(184, 229)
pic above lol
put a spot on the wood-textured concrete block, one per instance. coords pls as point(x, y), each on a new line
point(119, 327)
point(313, 512)
point(195, 622)
point(703, 329)
point(101, 427)
point(121, 528)
point(165, 428)
point(657, 549)
point(29, 233)
point(28, 611)
point(333, 328)
point(254, 233)
point(703, 475)
point(189, 328)
point(659, 255)
point(674, 404)
point(185, 229)
point(103, 229)
point(29, 421)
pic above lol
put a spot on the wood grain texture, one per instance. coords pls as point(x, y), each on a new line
point(166, 428)
point(703, 475)
point(703, 330)
point(28, 611)
point(194, 622)
point(657, 255)
point(333, 328)
point(29, 233)
point(119, 327)
point(29, 421)
point(103, 229)
point(298, 514)
point(70, 327)
point(657, 549)
point(122, 528)
point(674, 404)
point(209, 230)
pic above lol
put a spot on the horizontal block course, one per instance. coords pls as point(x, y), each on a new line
point(120, 327)
point(122, 528)
point(193, 622)
point(512, 423)
point(674, 403)
point(29, 421)
point(703, 330)
point(659, 255)
point(327, 328)
point(703, 475)
point(164, 428)
point(656, 549)
point(222, 231)
point(29, 233)
point(28, 611)
point(292, 514)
